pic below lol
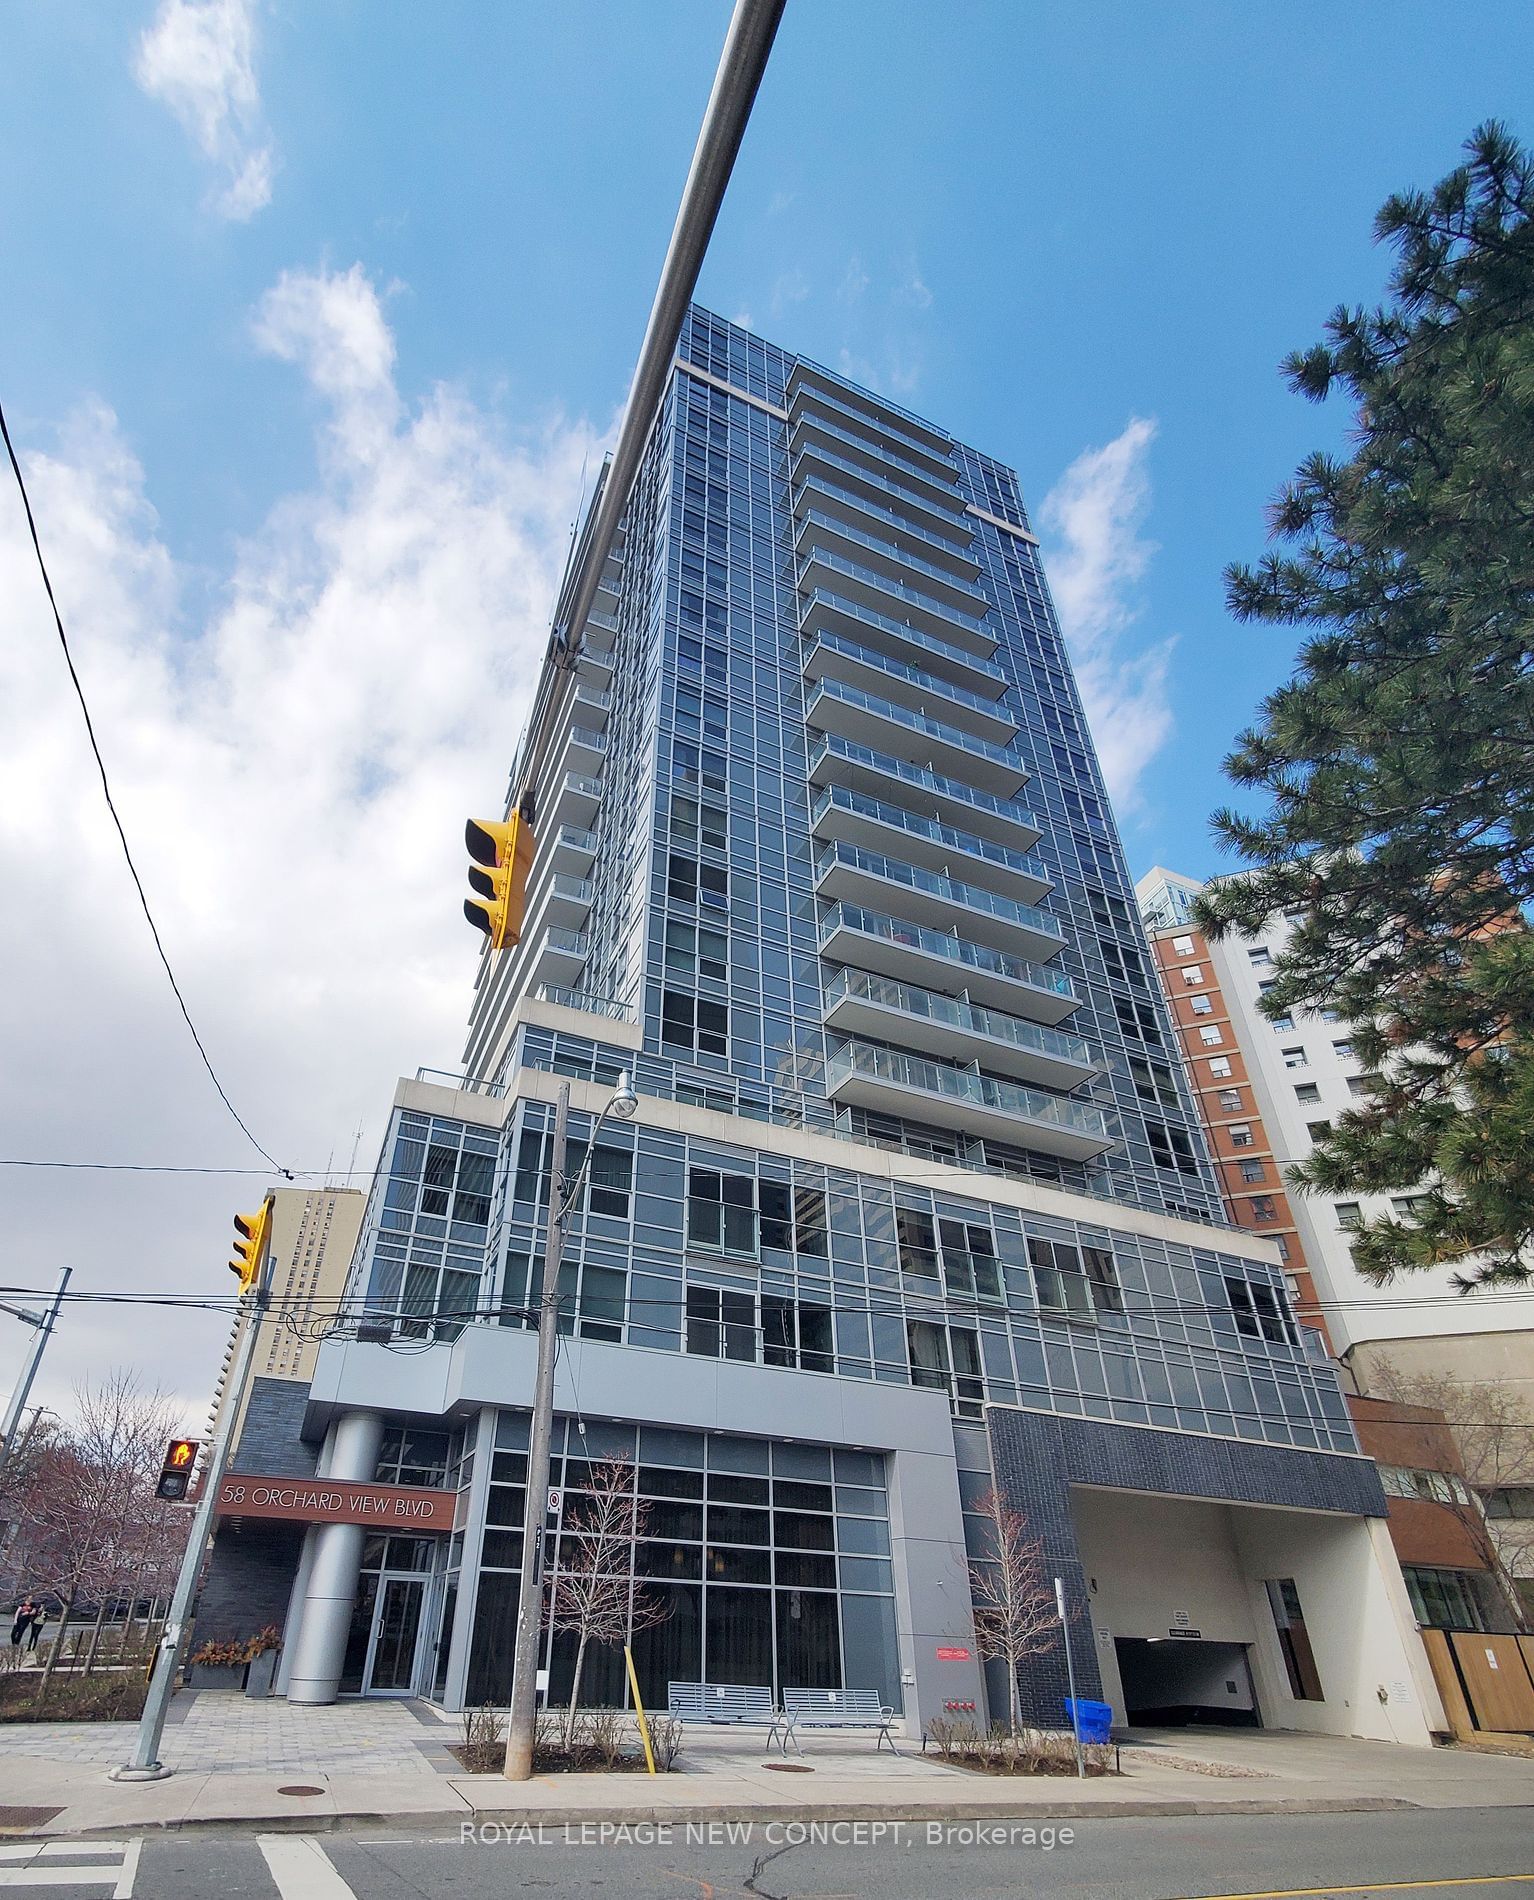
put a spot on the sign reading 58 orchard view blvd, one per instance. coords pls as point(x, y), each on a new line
point(336, 1501)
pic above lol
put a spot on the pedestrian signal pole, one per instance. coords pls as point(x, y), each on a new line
point(255, 1271)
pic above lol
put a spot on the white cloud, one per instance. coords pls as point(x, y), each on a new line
point(293, 768)
point(198, 59)
point(1097, 556)
point(791, 287)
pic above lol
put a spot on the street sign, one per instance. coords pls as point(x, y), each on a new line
point(554, 1502)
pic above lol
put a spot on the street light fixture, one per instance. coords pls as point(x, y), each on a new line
point(521, 1723)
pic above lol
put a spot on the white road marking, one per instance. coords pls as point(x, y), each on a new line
point(301, 1868)
point(40, 1866)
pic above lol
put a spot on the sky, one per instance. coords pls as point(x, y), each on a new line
point(317, 319)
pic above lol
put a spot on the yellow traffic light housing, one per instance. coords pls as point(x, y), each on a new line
point(253, 1231)
point(503, 856)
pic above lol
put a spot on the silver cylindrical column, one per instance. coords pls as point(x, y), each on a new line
point(319, 1651)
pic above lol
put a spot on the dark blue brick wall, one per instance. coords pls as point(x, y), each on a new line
point(270, 1441)
point(1038, 1456)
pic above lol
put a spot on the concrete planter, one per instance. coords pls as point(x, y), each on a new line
point(260, 1675)
point(207, 1676)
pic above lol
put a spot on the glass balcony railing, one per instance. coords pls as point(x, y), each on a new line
point(918, 471)
point(961, 1085)
point(576, 890)
point(936, 943)
point(582, 786)
point(578, 999)
point(897, 669)
point(592, 741)
point(905, 496)
point(574, 839)
point(834, 746)
point(844, 531)
point(965, 896)
point(570, 943)
point(809, 382)
point(953, 1013)
point(871, 577)
point(881, 812)
point(912, 721)
point(806, 483)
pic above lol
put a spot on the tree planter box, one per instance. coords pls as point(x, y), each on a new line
point(206, 1676)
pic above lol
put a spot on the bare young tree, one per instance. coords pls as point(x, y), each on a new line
point(1493, 1428)
point(592, 1595)
point(1014, 1599)
point(89, 1510)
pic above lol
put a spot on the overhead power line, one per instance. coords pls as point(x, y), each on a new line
point(106, 790)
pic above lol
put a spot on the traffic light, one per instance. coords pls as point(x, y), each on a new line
point(506, 853)
point(176, 1474)
point(252, 1231)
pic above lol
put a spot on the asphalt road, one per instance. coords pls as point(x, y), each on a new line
point(1453, 1854)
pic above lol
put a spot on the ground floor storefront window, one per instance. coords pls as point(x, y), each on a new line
point(773, 1560)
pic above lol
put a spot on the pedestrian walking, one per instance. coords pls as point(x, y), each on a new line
point(25, 1611)
point(39, 1622)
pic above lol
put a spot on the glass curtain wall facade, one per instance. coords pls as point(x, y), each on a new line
point(825, 859)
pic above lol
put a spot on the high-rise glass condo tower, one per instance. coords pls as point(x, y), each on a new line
point(916, 1201)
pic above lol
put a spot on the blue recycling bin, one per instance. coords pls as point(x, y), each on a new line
point(1091, 1720)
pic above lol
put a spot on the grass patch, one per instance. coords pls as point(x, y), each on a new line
point(112, 1695)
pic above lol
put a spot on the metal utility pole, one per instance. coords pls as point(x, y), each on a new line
point(44, 1323)
point(748, 41)
point(1070, 1676)
point(522, 1721)
point(145, 1764)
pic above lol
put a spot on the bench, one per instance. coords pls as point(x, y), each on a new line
point(725, 1705)
point(836, 1708)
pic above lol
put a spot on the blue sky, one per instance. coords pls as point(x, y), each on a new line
point(314, 312)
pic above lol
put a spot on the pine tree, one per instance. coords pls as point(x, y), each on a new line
point(1398, 762)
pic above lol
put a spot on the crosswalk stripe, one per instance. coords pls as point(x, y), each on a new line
point(301, 1868)
point(39, 1876)
point(39, 1871)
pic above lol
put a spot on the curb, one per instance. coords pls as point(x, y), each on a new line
point(559, 1820)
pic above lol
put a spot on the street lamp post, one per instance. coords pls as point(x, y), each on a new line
point(44, 1324)
point(521, 1724)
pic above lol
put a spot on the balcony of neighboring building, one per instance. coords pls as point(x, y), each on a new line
point(840, 814)
point(913, 953)
point(835, 760)
point(858, 1003)
point(834, 656)
point(556, 956)
point(896, 559)
point(966, 659)
point(848, 872)
point(600, 636)
point(877, 722)
point(816, 424)
point(808, 383)
point(573, 849)
point(940, 1094)
point(895, 496)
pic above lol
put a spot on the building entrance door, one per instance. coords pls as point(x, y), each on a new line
point(395, 1639)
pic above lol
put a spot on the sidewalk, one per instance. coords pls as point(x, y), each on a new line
point(386, 1763)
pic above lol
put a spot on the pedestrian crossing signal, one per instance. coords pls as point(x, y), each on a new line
point(176, 1473)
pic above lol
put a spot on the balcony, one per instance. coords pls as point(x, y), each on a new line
point(890, 946)
point(857, 818)
point(821, 495)
point(853, 714)
point(901, 503)
point(569, 901)
point(894, 557)
point(858, 1004)
point(600, 637)
point(883, 433)
point(872, 599)
point(558, 957)
point(808, 380)
point(834, 656)
point(934, 1092)
point(847, 871)
point(576, 801)
point(838, 761)
point(813, 426)
point(574, 850)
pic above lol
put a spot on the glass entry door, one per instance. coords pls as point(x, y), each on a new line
point(396, 1633)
